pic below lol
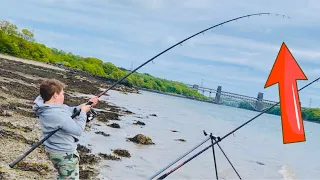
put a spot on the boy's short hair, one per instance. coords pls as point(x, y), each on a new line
point(49, 87)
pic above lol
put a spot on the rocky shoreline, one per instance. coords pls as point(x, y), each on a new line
point(19, 128)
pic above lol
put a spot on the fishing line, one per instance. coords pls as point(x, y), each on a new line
point(89, 103)
point(219, 139)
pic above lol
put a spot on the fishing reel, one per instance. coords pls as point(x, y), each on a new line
point(91, 114)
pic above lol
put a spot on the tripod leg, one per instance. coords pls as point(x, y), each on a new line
point(214, 156)
point(228, 160)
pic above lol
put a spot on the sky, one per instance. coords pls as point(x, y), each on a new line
point(237, 56)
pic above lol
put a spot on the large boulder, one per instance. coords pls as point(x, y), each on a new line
point(141, 139)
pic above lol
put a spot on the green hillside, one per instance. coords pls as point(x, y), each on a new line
point(21, 43)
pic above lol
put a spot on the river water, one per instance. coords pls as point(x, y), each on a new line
point(258, 141)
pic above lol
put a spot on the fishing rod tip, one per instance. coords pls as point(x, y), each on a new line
point(284, 16)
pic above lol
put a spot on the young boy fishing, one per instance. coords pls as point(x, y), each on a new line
point(61, 147)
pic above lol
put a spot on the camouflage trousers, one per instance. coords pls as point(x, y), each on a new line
point(67, 164)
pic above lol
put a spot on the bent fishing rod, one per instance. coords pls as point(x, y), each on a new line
point(89, 103)
point(219, 139)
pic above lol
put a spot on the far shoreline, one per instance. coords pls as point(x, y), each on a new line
point(194, 99)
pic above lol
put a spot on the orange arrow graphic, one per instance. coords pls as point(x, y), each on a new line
point(285, 72)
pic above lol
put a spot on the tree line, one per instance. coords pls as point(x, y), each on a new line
point(309, 114)
point(21, 43)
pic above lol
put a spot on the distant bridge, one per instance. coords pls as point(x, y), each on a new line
point(236, 100)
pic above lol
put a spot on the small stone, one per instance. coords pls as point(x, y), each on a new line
point(139, 123)
point(114, 125)
point(109, 157)
point(102, 133)
point(122, 152)
point(182, 140)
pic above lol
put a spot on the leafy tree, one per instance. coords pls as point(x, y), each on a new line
point(27, 35)
point(8, 28)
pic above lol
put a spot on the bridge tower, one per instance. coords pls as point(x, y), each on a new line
point(218, 95)
point(259, 103)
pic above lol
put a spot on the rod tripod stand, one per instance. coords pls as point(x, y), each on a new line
point(217, 140)
point(214, 141)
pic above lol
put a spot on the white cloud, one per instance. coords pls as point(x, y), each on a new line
point(136, 30)
point(250, 44)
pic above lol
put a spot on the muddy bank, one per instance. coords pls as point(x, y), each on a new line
point(19, 128)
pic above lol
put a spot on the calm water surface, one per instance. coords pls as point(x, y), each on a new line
point(260, 140)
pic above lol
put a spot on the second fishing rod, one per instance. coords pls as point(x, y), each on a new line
point(217, 140)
